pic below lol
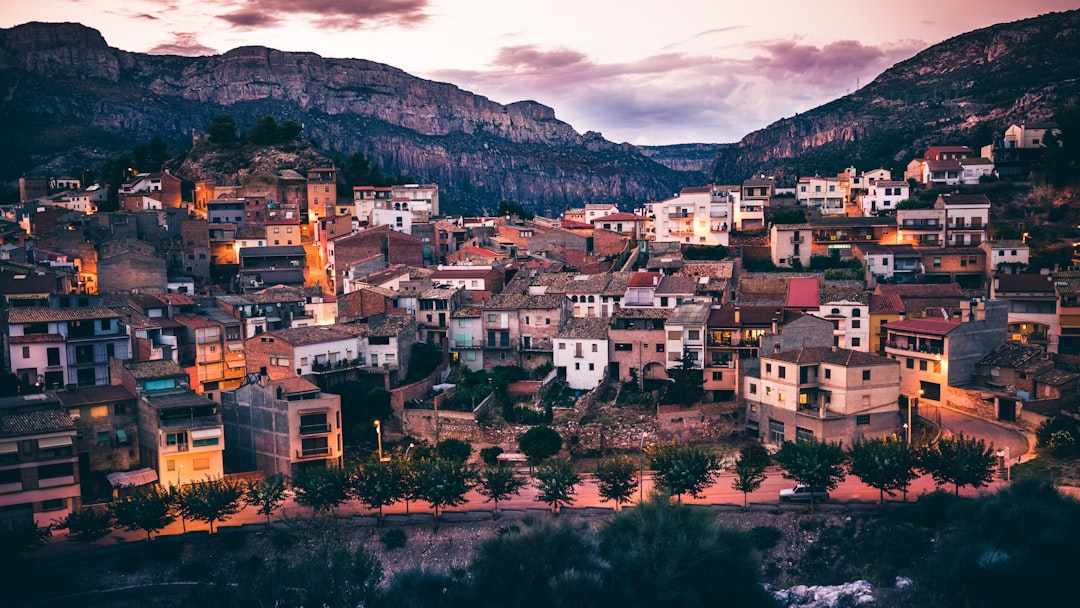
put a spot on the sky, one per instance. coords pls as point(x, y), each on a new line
point(648, 73)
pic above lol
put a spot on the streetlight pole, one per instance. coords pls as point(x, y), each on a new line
point(378, 431)
point(178, 469)
point(641, 471)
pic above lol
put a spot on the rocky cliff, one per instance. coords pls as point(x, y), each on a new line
point(965, 91)
point(63, 86)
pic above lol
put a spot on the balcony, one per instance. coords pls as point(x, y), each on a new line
point(498, 344)
point(679, 215)
point(319, 367)
point(470, 343)
point(922, 225)
point(797, 239)
point(910, 347)
point(719, 227)
point(319, 452)
point(536, 344)
point(315, 429)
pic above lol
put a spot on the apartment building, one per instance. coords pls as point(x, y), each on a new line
point(321, 193)
point(467, 337)
point(107, 427)
point(697, 216)
point(39, 471)
point(884, 196)
point(519, 328)
point(55, 347)
point(638, 342)
point(826, 194)
point(823, 394)
point(967, 218)
point(686, 333)
point(581, 352)
point(1033, 308)
point(278, 427)
point(300, 351)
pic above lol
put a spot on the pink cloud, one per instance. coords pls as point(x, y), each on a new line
point(183, 43)
point(338, 14)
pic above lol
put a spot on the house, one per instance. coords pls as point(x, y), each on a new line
point(921, 227)
point(283, 231)
point(274, 265)
point(519, 328)
point(226, 211)
point(301, 351)
point(790, 243)
point(840, 234)
point(822, 394)
point(851, 323)
point(396, 248)
point(1011, 368)
point(477, 279)
point(638, 344)
point(829, 195)
point(1005, 256)
point(149, 339)
point(1067, 292)
point(160, 186)
point(594, 211)
point(967, 218)
point(641, 290)
point(433, 310)
point(55, 347)
point(39, 471)
point(321, 193)
point(936, 353)
point(212, 351)
point(697, 216)
point(388, 343)
point(591, 295)
point(581, 352)
point(280, 427)
point(367, 198)
point(181, 436)
point(629, 224)
point(888, 262)
point(756, 194)
point(1033, 308)
point(686, 334)
point(366, 301)
point(467, 337)
point(965, 266)
point(132, 272)
point(891, 303)
point(107, 426)
point(884, 195)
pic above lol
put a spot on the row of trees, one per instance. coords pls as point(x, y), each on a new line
point(267, 131)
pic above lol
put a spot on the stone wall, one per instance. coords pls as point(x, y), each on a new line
point(970, 402)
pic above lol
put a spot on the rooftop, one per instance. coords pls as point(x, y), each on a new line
point(831, 355)
point(94, 394)
point(584, 328)
point(293, 386)
point(693, 313)
point(1012, 354)
point(316, 334)
point(803, 293)
point(51, 315)
point(671, 285)
point(151, 370)
point(38, 421)
point(937, 327)
point(1024, 283)
point(392, 325)
point(524, 302)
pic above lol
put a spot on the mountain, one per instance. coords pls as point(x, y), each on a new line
point(70, 97)
point(965, 90)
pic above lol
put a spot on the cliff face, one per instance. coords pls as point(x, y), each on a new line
point(65, 87)
point(963, 91)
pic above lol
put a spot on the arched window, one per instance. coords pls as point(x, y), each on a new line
point(592, 299)
point(573, 298)
point(836, 311)
point(855, 312)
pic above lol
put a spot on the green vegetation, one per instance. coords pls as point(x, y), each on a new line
point(959, 460)
point(511, 208)
point(148, 509)
point(266, 496)
point(750, 469)
point(499, 483)
point(682, 469)
point(268, 132)
point(212, 500)
point(321, 489)
point(703, 252)
point(443, 483)
point(686, 382)
point(818, 464)
point(556, 482)
point(540, 443)
point(886, 464)
point(617, 479)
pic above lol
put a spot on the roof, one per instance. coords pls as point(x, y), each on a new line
point(292, 386)
point(921, 290)
point(1007, 244)
point(676, 285)
point(644, 279)
point(38, 421)
point(94, 394)
point(276, 294)
point(622, 216)
point(467, 312)
point(480, 251)
point(886, 303)
point(965, 199)
point(937, 327)
point(150, 370)
point(857, 221)
point(793, 226)
point(750, 316)
point(803, 293)
point(47, 315)
point(1056, 377)
point(175, 299)
point(391, 326)
point(36, 339)
point(194, 321)
point(831, 355)
point(691, 313)
point(275, 250)
point(1024, 283)
point(880, 249)
point(644, 312)
point(26, 282)
point(302, 336)
point(1012, 354)
point(464, 272)
point(584, 328)
point(514, 301)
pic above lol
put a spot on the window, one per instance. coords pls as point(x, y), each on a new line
point(562, 345)
point(26, 352)
point(855, 323)
point(866, 375)
point(937, 367)
point(768, 368)
point(937, 262)
point(200, 464)
point(910, 363)
point(103, 437)
point(856, 342)
point(622, 346)
point(753, 389)
point(492, 318)
point(922, 366)
point(659, 348)
point(595, 347)
point(204, 442)
point(577, 366)
point(99, 411)
point(782, 371)
point(802, 434)
point(53, 355)
point(119, 409)
point(862, 419)
point(592, 367)
point(718, 376)
point(768, 391)
point(170, 465)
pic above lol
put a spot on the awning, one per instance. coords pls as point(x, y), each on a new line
point(140, 477)
point(9, 447)
point(54, 442)
point(121, 436)
point(236, 347)
point(236, 364)
point(205, 433)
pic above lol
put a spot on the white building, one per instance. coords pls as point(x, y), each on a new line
point(828, 194)
point(397, 219)
point(791, 242)
point(851, 323)
point(967, 218)
point(1004, 255)
point(581, 352)
point(697, 216)
point(685, 329)
point(884, 195)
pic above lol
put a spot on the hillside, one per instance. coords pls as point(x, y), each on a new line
point(961, 91)
point(65, 88)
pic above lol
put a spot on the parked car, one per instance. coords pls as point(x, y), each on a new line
point(803, 493)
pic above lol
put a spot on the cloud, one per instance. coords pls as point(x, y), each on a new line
point(183, 43)
point(336, 14)
point(680, 97)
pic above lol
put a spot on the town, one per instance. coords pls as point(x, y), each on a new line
point(291, 323)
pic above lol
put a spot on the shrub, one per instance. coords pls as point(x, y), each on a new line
point(166, 551)
point(283, 540)
point(128, 563)
point(490, 455)
point(233, 540)
point(1057, 435)
point(250, 566)
point(195, 570)
point(764, 538)
point(394, 539)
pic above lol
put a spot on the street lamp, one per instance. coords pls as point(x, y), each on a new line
point(641, 471)
point(1006, 453)
point(378, 431)
point(411, 446)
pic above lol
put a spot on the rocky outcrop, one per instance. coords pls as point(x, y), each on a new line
point(65, 80)
point(962, 91)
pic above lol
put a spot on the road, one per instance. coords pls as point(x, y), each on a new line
point(1000, 436)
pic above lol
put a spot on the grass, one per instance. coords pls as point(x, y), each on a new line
point(1051, 469)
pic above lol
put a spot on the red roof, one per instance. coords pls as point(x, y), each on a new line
point(573, 224)
point(644, 279)
point(803, 293)
point(194, 321)
point(622, 216)
point(480, 251)
point(937, 327)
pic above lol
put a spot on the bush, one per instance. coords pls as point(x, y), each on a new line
point(1058, 436)
point(394, 539)
point(233, 540)
point(128, 563)
point(283, 540)
point(490, 455)
point(250, 566)
point(764, 538)
point(166, 551)
point(195, 570)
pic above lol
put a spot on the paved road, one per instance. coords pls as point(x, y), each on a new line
point(1001, 436)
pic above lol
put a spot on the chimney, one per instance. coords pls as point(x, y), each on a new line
point(775, 326)
point(834, 348)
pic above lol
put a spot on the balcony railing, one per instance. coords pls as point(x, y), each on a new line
point(465, 344)
point(909, 347)
point(537, 344)
point(315, 429)
point(313, 452)
point(318, 367)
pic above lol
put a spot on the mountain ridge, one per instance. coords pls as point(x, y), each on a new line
point(65, 86)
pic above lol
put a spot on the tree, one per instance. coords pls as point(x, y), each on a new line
point(540, 443)
point(557, 482)
point(149, 509)
point(321, 489)
point(886, 464)
point(289, 130)
point(454, 449)
point(959, 460)
point(682, 469)
point(264, 132)
point(663, 554)
point(213, 500)
point(1061, 150)
point(750, 469)
point(511, 208)
point(266, 495)
point(818, 464)
point(617, 479)
point(499, 483)
point(444, 483)
point(687, 381)
point(787, 215)
point(377, 485)
point(18, 538)
point(87, 525)
point(222, 129)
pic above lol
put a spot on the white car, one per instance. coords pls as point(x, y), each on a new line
point(803, 493)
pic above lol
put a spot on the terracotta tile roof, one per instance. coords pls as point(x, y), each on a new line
point(94, 394)
point(803, 293)
point(671, 285)
point(622, 216)
point(1012, 354)
point(292, 386)
point(830, 355)
point(35, 422)
point(194, 321)
point(302, 336)
point(1024, 283)
point(46, 315)
point(175, 299)
point(965, 199)
point(920, 290)
point(937, 327)
point(644, 279)
point(467, 312)
point(584, 328)
point(391, 326)
point(886, 303)
point(524, 302)
point(37, 339)
point(1056, 377)
point(150, 370)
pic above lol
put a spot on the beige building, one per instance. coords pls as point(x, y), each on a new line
point(822, 393)
point(790, 242)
